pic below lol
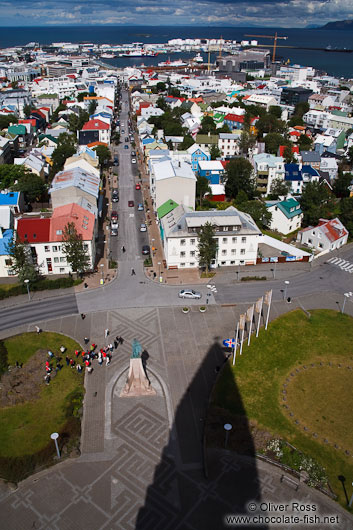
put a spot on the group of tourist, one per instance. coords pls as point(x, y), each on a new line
point(81, 359)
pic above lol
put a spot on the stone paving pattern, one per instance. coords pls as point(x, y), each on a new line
point(141, 465)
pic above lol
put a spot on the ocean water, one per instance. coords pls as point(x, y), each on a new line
point(335, 63)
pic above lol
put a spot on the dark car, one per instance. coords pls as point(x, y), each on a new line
point(126, 138)
point(116, 161)
point(133, 154)
point(126, 147)
point(114, 216)
point(131, 204)
point(146, 250)
point(115, 195)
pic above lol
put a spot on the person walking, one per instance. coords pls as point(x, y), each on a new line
point(67, 360)
point(83, 316)
point(86, 340)
point(51, 354)
point(133, 273)
point(100, 358)
point(123, 249)
point(111, 347)
point(107, 361)
point(106, 333)
point(38, 330)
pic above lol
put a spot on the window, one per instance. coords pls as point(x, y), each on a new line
point(192, 264)
point(233, 251)
point(223, 262)
point(182, 242)
point(47, 248)
point(8, 262)
point(310, 241)
point(62, 260)
point(56, 260)
point(62, 269)
point(55, 248)
point(224, 240)
point(85, 246)
point(182, 264)
point(234, 239)
point(320, 245)
point(242, 251)
point(192, 254)
point(224, 252)
point(232, 262)
point(182, 254)
point(59, 232)
point(192, 241)
point(243, 239)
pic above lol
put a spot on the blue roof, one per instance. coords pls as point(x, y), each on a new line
point(9, 199)
point(148, 141)
point(310, 171)
point(293, 173)
point(6, 237)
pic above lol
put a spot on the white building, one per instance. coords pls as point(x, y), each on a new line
point(172, 179)
point(268, 168)
point(228, 144)
point(236, 233)
point(328, 235)
point(286, 215)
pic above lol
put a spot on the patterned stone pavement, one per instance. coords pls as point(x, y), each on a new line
point(141, 465)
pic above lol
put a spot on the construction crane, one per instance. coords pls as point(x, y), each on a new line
point(274, 37)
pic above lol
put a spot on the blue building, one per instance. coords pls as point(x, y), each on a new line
point(197, 154)
point(213, 170)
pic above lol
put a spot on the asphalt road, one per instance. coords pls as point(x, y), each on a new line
point(37, 311)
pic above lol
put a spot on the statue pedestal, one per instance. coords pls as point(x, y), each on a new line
point(137, 383)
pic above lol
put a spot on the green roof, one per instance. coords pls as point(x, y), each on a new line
point(166, 208)
point(49, 136)
point(339, 113)
point(205, 139)
point(218, 117)
point(287, 206)
point(17, 129)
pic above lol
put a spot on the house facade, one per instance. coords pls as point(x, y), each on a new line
point(197, 154)
point(213, 170)
point(327, 235)
point(286, 215)
point(268, 168)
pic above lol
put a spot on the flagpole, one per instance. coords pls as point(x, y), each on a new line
point(251, 319)
point(236, 342)
point(269, 294)
point(260, 313)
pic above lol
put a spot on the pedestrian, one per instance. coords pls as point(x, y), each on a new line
point(116, 344)
point(86, 340)
point(72, 363)
point(111, 347)
point(47, 379)
point(38, 330)
point(87, 363)
point(47, 363)
point(121, 340)
point(100, 359)
point(90, 369)
point(79, 368)
point(51, 354)
point(107, 361)
point(133, 273)
point(17, 365)
point(123, 249)
point(67, 360)
point(48, 369)
point(83, 316)
point(77, 353)
point(62, 349)
point(106, 333)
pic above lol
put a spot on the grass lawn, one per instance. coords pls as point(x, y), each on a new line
point(317, 395)
point(25, 428)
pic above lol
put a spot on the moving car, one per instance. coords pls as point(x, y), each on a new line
point(114, 216)
point(189, 293)
point(133, 161)
point(126, 147)
point(140, 207)
point(133, 153)
point(126, 138)
point(115, 195)
point(143, 227)
point(145, 250)
point(138, 186)
point(131, 203)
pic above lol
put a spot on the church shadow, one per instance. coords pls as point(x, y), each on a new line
point(198, 482)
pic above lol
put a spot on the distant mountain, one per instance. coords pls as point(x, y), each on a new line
point(313, 26)
point(339, 24)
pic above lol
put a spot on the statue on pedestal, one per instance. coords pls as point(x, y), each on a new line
point(137, 383)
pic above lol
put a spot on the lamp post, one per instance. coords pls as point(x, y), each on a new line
point(346, 295)
point(227, 427)
point(55, 437)
point(351, 500)
point(102, 269)
point(286, 283)
point(159, 270)
point(274, 270)
point(27, 285)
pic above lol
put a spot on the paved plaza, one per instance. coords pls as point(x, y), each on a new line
point(142, 461)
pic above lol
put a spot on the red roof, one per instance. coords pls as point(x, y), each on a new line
point(333, 229)
point(95, 144)
point(234, 117)
point(295, 149)
point(95, 125)
point(36, 111)
point(295, 133)
point(224, 163)
point(34, 230)
point(28, 120)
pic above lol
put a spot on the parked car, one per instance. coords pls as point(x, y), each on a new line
point(126, 138)
point(189, 293)
point(133, 161)
point(138, 186)
point(126, 147)
point(114, 231)
point(133, 153)
point(143, 227)
point(145, 250)
point(116, 161)
point(114, 216)
point(131, 203)
point(140, 207)
point(115, 195)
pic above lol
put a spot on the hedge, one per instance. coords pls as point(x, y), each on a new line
point(40, 285)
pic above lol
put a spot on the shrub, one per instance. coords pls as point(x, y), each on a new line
point(113, 264)
point(3, 359)
point(256, 278)
point(40, 285)
point(147, 262)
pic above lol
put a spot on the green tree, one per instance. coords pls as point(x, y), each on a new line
point(215, 152)
point(161, 87)
point(202, 187)
point(305, 143)
point(162, 104)
point(74, 250)
point(341, 183)
point(10, 173)
point(273, 141)
point(173, 91)
point(349, 155)
point(77, 121)
point(224, 129)
point(288, 155)
point(32, 186)
point(295, 120)
point(275, 111)
point(346, 214)
point(27, 110)
point(92, 107)
point(83, 95)
point(239, 176)
point(116, 138)
point(6, 120)
point(247, 141)
point(21, 260)
point(279, 188)
point(14, 84)
point(269, 124)
point(240, 199)
point(207, 245)
point(187, 142)
point(65, 148)
point(258, 211)
point(207, 125)
point(103, 154)
point(315, 202)
point(54, 117)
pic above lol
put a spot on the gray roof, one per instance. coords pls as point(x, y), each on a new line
point(310, 156)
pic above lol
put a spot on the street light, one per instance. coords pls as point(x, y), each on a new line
point(159, 270)
point(346, 295)
point(55, 437)
point(227, 427)
point(286, 282)
point(274, 270)
point(102, 269)
point(27, 285)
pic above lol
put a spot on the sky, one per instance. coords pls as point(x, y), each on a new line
point(271, 13)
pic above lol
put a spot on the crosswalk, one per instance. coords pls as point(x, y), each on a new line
point(343, 264)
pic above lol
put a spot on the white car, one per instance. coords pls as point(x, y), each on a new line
point(133, 161)
point(143, 227)
point(189, 293)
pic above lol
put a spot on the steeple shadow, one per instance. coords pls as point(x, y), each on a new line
point(194, 486)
